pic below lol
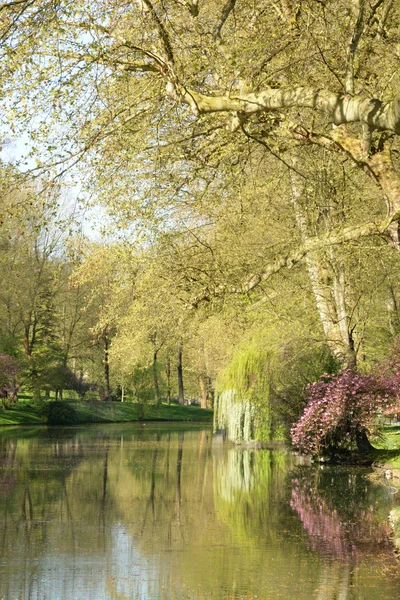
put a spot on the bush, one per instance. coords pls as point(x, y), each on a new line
point(344, 408)
point(60, 413)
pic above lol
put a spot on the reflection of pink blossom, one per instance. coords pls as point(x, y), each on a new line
point(329, 535)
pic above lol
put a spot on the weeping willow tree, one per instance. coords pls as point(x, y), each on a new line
point(242, 405)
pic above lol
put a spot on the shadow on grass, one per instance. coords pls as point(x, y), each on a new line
point(97, 411)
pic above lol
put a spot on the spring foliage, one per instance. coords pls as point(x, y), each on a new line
point(344, 406)
point(243, 403)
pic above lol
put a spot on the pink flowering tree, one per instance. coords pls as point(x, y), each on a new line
point(8, 379)
point(344, 409)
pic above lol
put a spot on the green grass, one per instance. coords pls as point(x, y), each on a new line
point(96, 411)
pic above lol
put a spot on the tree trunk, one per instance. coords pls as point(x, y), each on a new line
point(168, 370)
point(392, 311)
point(329, 288)
point(181, 395)
point(203, 390)
point(363, 443)
point(107, 389)
point(206, 393)
point(155, 379)
point(210, 395)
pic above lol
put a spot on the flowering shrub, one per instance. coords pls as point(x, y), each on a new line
point(345, 406)
point(8, 376)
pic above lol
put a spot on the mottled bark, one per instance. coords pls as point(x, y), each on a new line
point(329, 288)
point(380, 167)
point(341, 109)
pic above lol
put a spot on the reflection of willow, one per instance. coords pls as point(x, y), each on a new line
point(248, 487)
point(339, 531)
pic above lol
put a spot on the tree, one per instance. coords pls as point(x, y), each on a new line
point(343, 410)
point(8, 380)
point(140, 96)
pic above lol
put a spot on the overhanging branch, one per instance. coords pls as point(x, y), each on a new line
point(292, 258)
point(372, 112)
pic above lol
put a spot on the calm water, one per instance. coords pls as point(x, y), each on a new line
point(161, 513)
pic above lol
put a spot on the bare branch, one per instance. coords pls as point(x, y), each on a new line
point(352, 48)
point(226, 11)
point(164, 37)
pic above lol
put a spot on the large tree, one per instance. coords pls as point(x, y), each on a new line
point(167, 102)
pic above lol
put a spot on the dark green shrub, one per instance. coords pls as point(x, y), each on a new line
point(60, 413)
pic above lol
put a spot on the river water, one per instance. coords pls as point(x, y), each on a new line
point(169, 512)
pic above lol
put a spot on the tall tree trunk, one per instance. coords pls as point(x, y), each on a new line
point(203, 390)
point(168, 371)
point(206, 394)
point(107, 389)
point(329, 288)
point(181, 394)
point(392, 311)
point(155, 379)
point(210, 395)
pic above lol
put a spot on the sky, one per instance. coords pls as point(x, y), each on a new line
point(91, 220)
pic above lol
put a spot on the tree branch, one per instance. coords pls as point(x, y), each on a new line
point(332, 238)
point(312, 244)
point(352, 49)
point(374, 113)
point(226, 11)
point(164, 37)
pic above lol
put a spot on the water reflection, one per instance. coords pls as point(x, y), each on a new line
point(345, 520)
point(342, 514)
point(154, 513)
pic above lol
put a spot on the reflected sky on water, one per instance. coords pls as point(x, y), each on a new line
point(164, 512)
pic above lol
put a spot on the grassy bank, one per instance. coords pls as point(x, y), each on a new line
point(106, 412)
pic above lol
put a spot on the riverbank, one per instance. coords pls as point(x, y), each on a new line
point(105, 412)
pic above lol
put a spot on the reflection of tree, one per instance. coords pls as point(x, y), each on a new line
point(170, 511)
point(335, 582)
point(337, 509)
point(152, 494)
point(338, 530)
point(178, 478)
point(8, 449)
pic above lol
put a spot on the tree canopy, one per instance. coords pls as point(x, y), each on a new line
point(248, 155)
